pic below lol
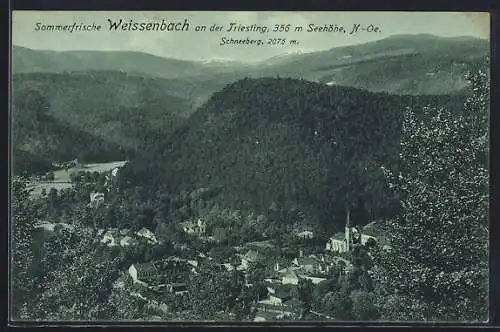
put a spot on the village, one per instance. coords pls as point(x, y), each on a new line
point(281, 278)
point(151, 280)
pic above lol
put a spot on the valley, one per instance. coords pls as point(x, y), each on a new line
point(348, 184)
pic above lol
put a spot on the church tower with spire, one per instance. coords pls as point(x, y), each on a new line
point(348, 230)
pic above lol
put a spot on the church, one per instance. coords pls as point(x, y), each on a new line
point(351, 236)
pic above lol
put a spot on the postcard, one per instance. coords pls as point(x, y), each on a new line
point(258, 167)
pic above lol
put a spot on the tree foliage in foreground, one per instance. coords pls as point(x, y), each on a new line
point(438, 266)
point(22, 225)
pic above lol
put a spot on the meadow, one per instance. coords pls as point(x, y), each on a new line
point(62, 177)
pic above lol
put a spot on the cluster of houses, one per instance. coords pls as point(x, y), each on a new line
point(198, 229)
point(170, 274)
point(314, 268)
point(125, 237)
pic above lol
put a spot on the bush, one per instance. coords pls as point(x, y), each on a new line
point(363, 305)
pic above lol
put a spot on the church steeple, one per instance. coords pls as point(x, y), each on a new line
point(348, 230)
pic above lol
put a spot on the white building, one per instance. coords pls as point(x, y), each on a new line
point(351, 236)
point(228, 266)
point(190, 227)
point(95, 197)
point(114, 172)
point(289, 277)
point(305, 235)
point(365, 238)
point(315, 280)
point(202, 226)
point(126, 241)
point(109, 239)
point(192, 262)
point(146, 233)
point(336, 245)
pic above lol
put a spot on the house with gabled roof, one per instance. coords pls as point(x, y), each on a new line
point(251, 257)
point(272, 280)
point(143, 273)
point(279, 296)
point(110, 238)
point(289, 277)
point(280, 301)
point(365, 238)
point(171, 268)
point(192, 262)
point(177, 288)
point(314, 280)
point(308, 264)
point(147, 234)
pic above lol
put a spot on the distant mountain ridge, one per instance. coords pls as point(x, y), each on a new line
point(129, 100)
point(397, 64)
point(400, 64)
point(25, 60)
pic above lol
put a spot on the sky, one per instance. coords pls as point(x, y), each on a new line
point(196, 45)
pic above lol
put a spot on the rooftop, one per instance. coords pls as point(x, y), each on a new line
point(337, 259)
point(158, 266)
point(289, 269)
point(289, 274)
point(146, 268)
point(178, 285)
point(305, 233)
point(302, 261)
point(315, 280)
point(252, 255)
point(338, 236)
point(281, 293)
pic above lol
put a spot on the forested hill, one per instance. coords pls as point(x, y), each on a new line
point(39, 138)
point(290, 142)
point(129, 111)
point(39, 142)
